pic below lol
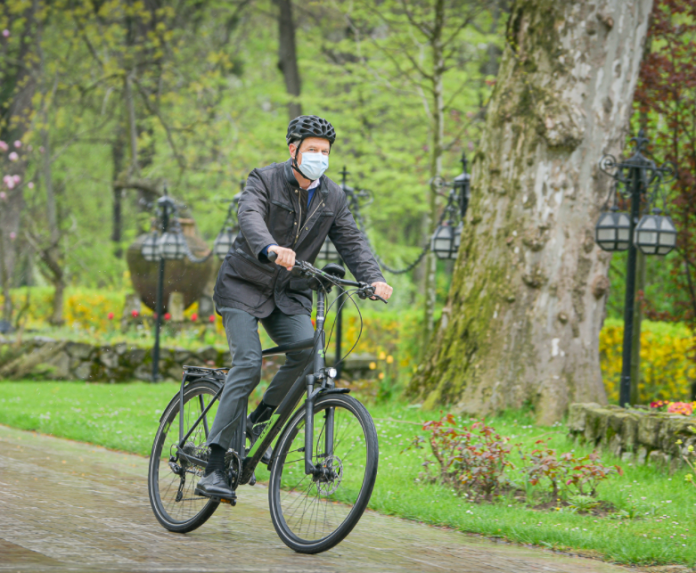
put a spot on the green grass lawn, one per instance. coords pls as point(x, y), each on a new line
point(655, 524)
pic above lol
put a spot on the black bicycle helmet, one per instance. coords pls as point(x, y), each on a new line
point(305, 126)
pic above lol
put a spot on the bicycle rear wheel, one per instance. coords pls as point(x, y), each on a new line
point(172, 481)
point(313, 513)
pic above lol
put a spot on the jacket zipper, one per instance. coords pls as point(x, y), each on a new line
point(299, 227)
point(307, 221)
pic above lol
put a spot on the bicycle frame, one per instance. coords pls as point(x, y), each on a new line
point(314, 374)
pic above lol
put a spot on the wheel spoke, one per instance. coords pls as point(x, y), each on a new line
point(313, 507)
point(175, 504)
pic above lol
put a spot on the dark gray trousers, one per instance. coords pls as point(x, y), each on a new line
point(242, 331)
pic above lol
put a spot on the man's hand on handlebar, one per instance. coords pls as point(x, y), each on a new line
point(284, 257)
point(383, 290)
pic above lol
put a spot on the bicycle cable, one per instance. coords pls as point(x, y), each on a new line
point(349, 295)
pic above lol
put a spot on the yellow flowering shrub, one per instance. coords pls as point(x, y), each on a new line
point(84, 309)
point(667, 365)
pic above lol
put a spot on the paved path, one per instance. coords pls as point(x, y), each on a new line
point(68, 506)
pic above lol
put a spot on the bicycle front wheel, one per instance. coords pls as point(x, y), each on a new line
point(312, 513)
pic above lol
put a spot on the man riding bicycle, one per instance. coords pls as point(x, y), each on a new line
point(287, 208)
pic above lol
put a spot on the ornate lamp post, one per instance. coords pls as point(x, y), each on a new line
point(160, 246)
point(167, 243)
point(228, 233)
point(447, 237)
point(230, 228)
point(617, 231)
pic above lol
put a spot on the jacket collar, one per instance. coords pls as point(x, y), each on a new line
point(290, 174)
point(292, 180)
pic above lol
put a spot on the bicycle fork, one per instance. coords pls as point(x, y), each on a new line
point(326, 382)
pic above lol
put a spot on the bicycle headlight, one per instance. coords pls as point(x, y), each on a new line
point(332, 372)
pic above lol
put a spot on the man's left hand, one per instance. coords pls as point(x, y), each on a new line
point(383, 290)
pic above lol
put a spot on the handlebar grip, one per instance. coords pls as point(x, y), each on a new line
point(272, 256)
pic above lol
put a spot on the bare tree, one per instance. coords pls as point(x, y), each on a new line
point(529, 288)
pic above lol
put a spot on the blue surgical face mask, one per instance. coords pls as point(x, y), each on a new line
point(314, 165)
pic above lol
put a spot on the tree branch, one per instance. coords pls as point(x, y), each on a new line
point(423, 28)
point(153, 186)
point(156, 113)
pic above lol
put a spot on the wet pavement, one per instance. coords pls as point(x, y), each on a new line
point(68, 506)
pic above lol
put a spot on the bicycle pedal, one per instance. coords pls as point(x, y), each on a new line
point(231, 502)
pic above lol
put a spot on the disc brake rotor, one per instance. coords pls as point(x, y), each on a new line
point(331, 475)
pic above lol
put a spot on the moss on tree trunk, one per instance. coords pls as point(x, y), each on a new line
point(529, 288)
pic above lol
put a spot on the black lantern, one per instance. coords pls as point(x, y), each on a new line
point(443, 242)
point(150, 248)
point(230, 228)
point(223, 242)
point(328, 252)
point(656, 234)
point(613, 231)
point(172, 245)
point(652, 234)
point(461, 185)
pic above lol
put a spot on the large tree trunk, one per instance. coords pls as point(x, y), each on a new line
point(530, 285)
point(287, 56)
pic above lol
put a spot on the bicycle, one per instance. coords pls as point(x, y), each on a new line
point(323, 466)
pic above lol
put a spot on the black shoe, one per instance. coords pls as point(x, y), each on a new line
point(215, 485)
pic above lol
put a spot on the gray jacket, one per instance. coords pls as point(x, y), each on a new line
point(270, 212)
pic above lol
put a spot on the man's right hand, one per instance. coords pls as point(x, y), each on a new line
point(286, 257)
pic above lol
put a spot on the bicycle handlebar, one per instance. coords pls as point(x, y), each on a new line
point(364, 290)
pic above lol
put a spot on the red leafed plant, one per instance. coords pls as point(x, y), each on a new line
point(566, 473)
point(666, 98)
point(476, 460)
point(472, 459)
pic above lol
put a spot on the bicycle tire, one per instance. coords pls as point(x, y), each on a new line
point(203, 508)
point(283, 495)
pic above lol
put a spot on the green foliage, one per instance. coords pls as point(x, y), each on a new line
point(209, 106)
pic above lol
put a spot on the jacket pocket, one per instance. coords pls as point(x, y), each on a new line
point(246, 280)
point(282, 222)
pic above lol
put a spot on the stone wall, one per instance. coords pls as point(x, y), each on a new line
point(44, 358)
point(634, 435)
